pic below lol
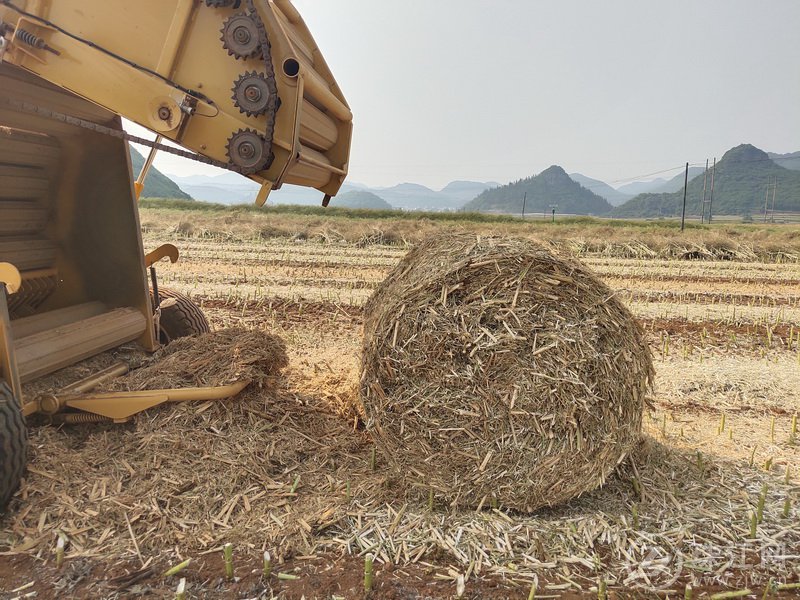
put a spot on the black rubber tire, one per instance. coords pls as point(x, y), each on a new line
point(181, 319)
point(13, 444)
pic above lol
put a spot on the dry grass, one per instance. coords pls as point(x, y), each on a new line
point(583, 237)
point(189, 478)
point(213, 359)
point(272, 470)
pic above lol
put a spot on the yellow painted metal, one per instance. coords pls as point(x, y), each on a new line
point(88, 248)
point(8, 357)
point(176, 58)
point(82, 418)
point(121, 405)
point(46, 352)
point(87, 384)
point(175, 38)
point(10, 276)
point(163, 251)
point(69, 220)
point(52, 404)
point(138, 186)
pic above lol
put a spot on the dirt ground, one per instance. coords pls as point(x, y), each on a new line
point(316, 577)
point(286, 469)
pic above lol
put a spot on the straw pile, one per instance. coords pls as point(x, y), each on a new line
point(211, 359)
point(496, 372)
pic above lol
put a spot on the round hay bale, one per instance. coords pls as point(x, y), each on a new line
point(496, 372)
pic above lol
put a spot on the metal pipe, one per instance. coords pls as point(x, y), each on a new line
point(321, 91)
point(139, 185)
point(52, 404)
point(89, 383)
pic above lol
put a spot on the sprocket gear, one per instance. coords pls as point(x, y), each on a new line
point(244, 35)
point(241, 37)
point(254, 93)
point(249, 151)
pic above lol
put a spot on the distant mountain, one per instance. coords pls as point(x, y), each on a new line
point(601, 188)
point(360, 199)
point(156, 185)
point(787, 161)
point(230, 188)
point(641, 187)
point(739, 188)
point(408, 196)
point(225, 178)
point(676, 183)
point(551, 186)
point(464, 191)
point(660, 185)
point(221, 188)
point(412, 196)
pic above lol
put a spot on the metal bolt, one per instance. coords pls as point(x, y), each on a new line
point(242, 35)
point(253, 93)
point(247, 150)
point(164, 113)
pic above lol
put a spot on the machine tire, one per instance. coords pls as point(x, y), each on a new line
point(182, 319)
point(13, 444)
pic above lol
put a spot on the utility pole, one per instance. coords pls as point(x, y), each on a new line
point(685, 187)
point(766, 201)
point(524, 200)
point(774, 193)
point(703, 206)
point(711, 199)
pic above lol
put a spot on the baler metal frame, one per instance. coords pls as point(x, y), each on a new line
point(73, 270)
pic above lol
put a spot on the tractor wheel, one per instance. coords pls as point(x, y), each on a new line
point(13, 444)
point(180, 318)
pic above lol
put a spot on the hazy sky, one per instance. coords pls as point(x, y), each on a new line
point(498, 90)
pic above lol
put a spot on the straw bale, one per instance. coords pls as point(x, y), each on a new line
point(497, 372)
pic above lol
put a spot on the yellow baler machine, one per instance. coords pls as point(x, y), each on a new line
point(238, 84)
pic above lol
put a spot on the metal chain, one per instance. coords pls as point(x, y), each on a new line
point(269, 71)
point(266, 50)
point(39, 111)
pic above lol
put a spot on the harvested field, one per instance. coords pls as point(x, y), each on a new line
point(287, 467)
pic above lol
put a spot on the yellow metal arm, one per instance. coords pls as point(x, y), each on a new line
point(164, 251)
point(10, 276)
point(121, 405)
point(10, 280)
point(176, 75)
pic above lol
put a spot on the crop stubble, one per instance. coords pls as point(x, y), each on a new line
point(693, 487)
